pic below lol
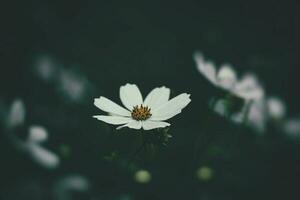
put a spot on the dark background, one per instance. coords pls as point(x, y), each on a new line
point(151, 44)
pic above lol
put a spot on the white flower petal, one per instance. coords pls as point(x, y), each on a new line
point(251, 93)
point(206, 68)
point(226, 77)
point(133, 124)
point(130, 96)
point(46, 68)
point(249, 88)
point(166, 116)
point(292, 128)
point(109, 106)
point(148, 125)
point(43, 157)
point(276, 108)
point(65, 185)
point(157, 97)
point(116, 120)
point(73, 85)
point(221, 107)
point(16, 115)
point(257, 116)
point(171, 108)
point(226, 72)
point(37, 134)
point(238, 117)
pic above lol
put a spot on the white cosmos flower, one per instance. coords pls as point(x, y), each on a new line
point(147, 114)
point(247, 88)
point(225, 78)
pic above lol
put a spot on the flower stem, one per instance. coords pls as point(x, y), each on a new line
point(138, 151)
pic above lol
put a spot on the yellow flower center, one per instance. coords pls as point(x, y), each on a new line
point(141, 113)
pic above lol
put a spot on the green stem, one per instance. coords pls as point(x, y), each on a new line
point(138, 151)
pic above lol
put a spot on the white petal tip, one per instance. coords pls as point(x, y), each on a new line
point(37, 134)
point(96, 100)
point(198, 55)
point(188, 96)
point(150, 125)
point(128, 84)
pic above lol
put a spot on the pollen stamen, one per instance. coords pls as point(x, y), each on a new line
point(141, 113)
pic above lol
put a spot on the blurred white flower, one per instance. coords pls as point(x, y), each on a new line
point(45, 68)
point(277, 113)
point(257, 110)
point(263, 111)
point(72, 85)
point(220, 106)
point(148, 114)
point(36, 135)
point(16, 114)
point(256, 117)
point(64, 188)
point(252, 113)
point(276, 108)
point(39, 154)
point(42, 156)
point(291, 127)
point(246, 88)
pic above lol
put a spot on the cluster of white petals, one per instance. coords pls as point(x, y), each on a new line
point(157, 101)
point(70, 83)
point(276, 108)
point(65, 187)
point(258, 109)
point(277, 112)
point(247, 87)
point(42, 156)
point(37, 135)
